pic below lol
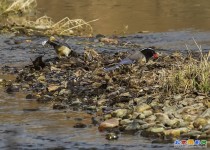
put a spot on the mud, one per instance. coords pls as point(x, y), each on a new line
point(16, 50)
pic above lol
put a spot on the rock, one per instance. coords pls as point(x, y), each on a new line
point(101, 102)
point(156, 129)
point(30, 96)
point(141, 116)
point(127, 94)
point(147, 125)
point(12, 88)
point(59, 106)
point(150, 119)
point(41, 78)
point(119, 113)
point(80, 125)
point(141, 108)
point(200, 122)
point(91, 108)
point(188, 118)
point(147, 113)
point(169, 109)
point(163, 118)
point(150, 134)
point(52, 88)
point(206, 113)
point(44, 99)
point(64, 92)
point(139, 100)
point(77, 102)
point(125, 121)
point(177, 97)
point(141, 122)
point(207, 132)
point(200, 97)
point(107, 116)
point(2, 82)
point(111, 123)
point(207, 127)
point(192, 134)
point(134, 126)
point(176, 132)
point(108, 40)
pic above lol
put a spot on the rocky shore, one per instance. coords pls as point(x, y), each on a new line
point(147, 99)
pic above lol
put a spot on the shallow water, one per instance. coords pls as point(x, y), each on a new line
point(25, 124)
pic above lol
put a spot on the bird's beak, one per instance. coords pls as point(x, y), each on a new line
point(155, 56)
point(44, 42)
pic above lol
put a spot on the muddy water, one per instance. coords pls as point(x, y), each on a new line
point(138, 15)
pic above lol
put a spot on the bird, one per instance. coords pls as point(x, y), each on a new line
point(38, 63)
point(62, 49)
point(146, 53)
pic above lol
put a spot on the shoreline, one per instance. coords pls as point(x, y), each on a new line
point(131, 99)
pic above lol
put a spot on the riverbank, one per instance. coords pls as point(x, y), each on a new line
point(165, 99)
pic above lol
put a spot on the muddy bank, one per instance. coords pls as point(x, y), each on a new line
point(132, 101)
point(150, 99)
point(19, 49)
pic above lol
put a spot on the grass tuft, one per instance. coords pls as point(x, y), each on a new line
point(190, 75)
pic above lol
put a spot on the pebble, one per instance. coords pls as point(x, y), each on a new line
point(142, 107)
point(119, 113)
point(110, 123)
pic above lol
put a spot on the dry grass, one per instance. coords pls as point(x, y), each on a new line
point(190, 75)
point(43, 25)
point(17, 7)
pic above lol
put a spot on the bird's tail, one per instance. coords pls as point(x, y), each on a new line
point(112, 68)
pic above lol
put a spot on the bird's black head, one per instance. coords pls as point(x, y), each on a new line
point(53, 42)
point(149, 53)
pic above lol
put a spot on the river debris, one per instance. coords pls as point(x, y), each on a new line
point(166, 98)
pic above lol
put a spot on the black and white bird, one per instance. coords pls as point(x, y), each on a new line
point(62, 49)
point(146, 54)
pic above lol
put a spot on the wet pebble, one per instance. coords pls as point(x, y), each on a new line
point(80, 125)
point(59, 106)
point(30, 96)
point(110, 123)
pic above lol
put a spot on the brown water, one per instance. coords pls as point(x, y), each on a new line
point(138, 15)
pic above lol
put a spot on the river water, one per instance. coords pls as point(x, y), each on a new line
point(25, 124)
point(138, 15)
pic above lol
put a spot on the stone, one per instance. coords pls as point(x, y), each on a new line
point(41, 78)
point(52, 88)
point(147, 113)
point(200, 122)
point(110, 123)
point(119, 113)
point(156, 129)
point(142, 107)
point(125, 121)
point(206, 113)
